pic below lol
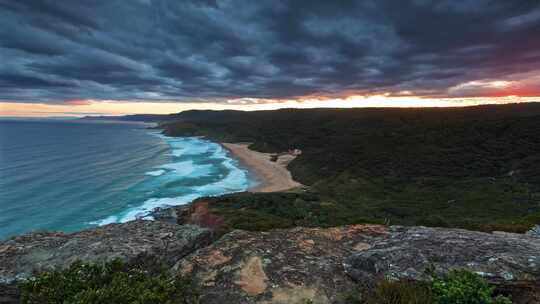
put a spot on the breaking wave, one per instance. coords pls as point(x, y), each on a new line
point(197, 168)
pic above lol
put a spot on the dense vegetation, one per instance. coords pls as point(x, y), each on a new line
point(265, 211)
point(113, 282)
point(475, 167)
point(117, 282)
point(457, 287)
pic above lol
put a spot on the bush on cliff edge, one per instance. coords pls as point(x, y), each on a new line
point(148, 283)
point(113, 282)
point(457, 287)
point(465, 287)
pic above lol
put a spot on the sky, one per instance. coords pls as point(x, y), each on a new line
point(113, 57)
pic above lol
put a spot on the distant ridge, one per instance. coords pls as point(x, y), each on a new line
point(513, 109)
point(136, 117)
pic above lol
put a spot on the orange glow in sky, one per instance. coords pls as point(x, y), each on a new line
point(94, 107)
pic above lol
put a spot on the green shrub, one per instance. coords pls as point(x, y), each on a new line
point(465, 287)
point(458, 287)
point(113, 282)
point(400, 292)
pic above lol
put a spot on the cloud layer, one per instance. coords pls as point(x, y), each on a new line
point(57, 51)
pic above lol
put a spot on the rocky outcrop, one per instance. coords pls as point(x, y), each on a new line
point(198, 213)
point(509, 260)
point(411, 252)
point(22, 255)
point(167, 214)
point(534, 232)
point(280, 266)
point(300, 265)
point(324, 265)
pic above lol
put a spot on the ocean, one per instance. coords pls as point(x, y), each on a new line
point(71, 175)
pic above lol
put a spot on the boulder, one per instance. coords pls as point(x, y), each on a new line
point(22, 255)
point(164, 214)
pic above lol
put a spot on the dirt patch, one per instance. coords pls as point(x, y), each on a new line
point(252, 278)
point(297, 295)
point(199, 214)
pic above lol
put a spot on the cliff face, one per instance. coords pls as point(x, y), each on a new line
point(323, 265)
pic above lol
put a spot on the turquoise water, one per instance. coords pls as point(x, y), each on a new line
point(71, 175)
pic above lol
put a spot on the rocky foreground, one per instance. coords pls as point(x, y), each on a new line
point(285, 266)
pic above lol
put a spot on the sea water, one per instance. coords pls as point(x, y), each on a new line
point(71, 175)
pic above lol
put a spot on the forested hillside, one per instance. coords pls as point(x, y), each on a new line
point(473, 167)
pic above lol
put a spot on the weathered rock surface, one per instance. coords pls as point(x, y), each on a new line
point(321, 265)
point(324, 265)
point(534, 232)
point(22, 255)
point(408, 251)
point(506, 259)
point(280, 266)
point(168, 215)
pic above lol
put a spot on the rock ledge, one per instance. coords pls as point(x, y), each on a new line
point(21, 256)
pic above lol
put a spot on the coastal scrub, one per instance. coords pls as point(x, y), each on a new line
point(113, 282)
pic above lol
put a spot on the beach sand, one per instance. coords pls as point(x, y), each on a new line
point(272, 176)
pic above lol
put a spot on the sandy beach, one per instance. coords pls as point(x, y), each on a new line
point(273, 176)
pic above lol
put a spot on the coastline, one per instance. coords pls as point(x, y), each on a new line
point(183, 164)
point(272, 176)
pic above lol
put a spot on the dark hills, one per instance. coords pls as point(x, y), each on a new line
point(472, 167)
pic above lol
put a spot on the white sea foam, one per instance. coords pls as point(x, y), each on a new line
point(236, 180)
point(186, 145)
point(155, 173)
point(195, 150)
point(195, 147)
point(177, 152)
point(219, 152)
point(186, 166)
point(153, 203)
point(180, 168)
point(108, 220)
point(187, 169)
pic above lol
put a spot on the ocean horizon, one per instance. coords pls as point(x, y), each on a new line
point(69, 175)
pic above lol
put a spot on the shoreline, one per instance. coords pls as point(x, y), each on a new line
point(272, 176)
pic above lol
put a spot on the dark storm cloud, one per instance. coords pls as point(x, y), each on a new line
point(52, 51)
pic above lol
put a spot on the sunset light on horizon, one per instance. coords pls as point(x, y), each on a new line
point(71, 59)
point(113, 108)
